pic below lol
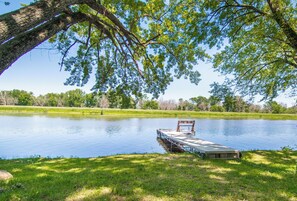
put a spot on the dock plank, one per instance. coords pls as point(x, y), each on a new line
point(202, 147)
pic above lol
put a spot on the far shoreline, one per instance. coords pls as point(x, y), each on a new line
point(138, 113)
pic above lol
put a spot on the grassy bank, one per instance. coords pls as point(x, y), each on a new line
point(97, 112)
point(259, 175)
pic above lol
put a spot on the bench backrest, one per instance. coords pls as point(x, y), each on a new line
point(186, 123)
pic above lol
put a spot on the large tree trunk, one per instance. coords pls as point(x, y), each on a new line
point(24, 29)
point(290, 33)
point(14, 49)
point(16, 22)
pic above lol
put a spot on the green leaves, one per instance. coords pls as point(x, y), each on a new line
point(142, 56)
point(255, 51)
point(139, 47)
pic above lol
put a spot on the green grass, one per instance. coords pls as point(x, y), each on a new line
point(259, 175)
point(98, 113)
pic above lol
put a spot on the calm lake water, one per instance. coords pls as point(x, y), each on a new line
point(25, 136)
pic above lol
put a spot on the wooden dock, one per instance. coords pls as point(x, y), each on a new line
point(186, 142)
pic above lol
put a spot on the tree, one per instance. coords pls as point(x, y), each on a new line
point(167, 104)
point(217, 108)
point(225, 94)
point(274, 107)
point(6, 98)
point(52, 99)
point(138, 46)
point(127, 102)
point(113, 99)
point(91, 100)
point(150, 105)
point(201, 102)
point(74, 98)
point(185, 105)
point(23, 97)
point(240, 105)
point(229, 103)
point(258, 40)
point(188, 105)
point(254, 108)
point(61, 101)
point(103, 102)
point(140, 100)
point(214, 100)
point(40, 100)
point(292, 110)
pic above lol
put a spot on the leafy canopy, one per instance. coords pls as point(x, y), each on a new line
point(147, 62)
point(258, 43)
point(135, 46)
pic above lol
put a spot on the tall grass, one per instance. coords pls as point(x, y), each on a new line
point(98, 112)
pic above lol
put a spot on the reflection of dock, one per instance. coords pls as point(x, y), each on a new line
point(184, 141)
point(169, 147)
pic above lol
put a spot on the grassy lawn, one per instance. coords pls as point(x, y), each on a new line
point(259, 175)
point(98, 113)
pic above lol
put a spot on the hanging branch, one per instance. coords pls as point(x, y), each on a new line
point(89, 34)
point(66, 52)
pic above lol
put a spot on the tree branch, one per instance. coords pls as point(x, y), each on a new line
point(65, 54)
point(19, 21)
point(103, 11)
point(250, 7)
point(89, 34)
point(277, 15)
point(291, 63)
point(23, 43)
point(150, 40)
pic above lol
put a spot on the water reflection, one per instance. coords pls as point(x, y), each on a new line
point(112, 130)
point(24, 136)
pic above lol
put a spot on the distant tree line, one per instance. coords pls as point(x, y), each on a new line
point(72, 98)
point(221, 100)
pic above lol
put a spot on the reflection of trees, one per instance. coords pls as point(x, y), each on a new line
point(112, 130)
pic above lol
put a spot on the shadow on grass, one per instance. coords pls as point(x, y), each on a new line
point(260, 175)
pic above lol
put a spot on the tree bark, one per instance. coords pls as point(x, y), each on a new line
point(277, 15)
point(26, 28)
point(23, 43)
point(16, 22)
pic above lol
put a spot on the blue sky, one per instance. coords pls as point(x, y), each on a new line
point(39, 72)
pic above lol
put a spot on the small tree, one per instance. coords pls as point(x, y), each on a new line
point(103, 102)
point(254, 108)
point(292, 110)
point(201, 102)
point(52, 99)
point(90, 100)
point(150, 104)
point(167, 104)
point(274, 107)
point(74, 98)
point(225, 94)
point(6, 98)
point(217, 108)
point(40, 100)
point(23, 97)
